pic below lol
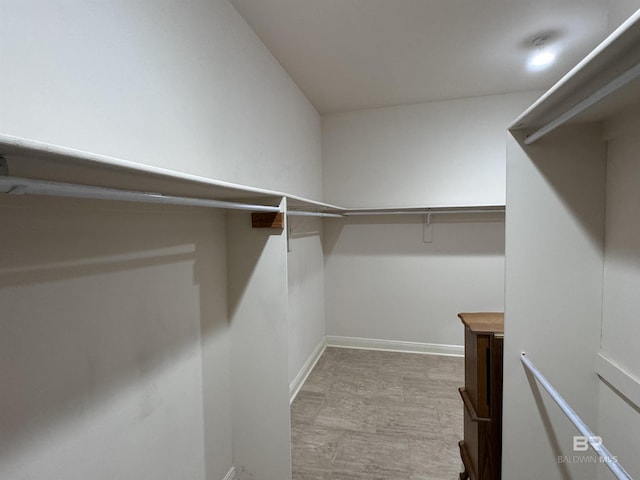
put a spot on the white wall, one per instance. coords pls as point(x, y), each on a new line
point(306, 306)
point(182, 85)
point(622, 252)
point(383, 282)
point(441, 153)
point(619, 10)
point(257, 272)
point(553, 297)
point(104, 310)
point(619, 418)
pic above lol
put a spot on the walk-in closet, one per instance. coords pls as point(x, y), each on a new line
point(319, 240)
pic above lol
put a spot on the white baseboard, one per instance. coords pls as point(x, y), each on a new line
point(231, 474)
point(304, 372)
point(395, 346)
point(368, 344)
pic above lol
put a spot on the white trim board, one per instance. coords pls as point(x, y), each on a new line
point(395, 346)
point(621, 380)
point(296, 384)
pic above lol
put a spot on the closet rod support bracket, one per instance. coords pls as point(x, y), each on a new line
point(267, 220)
point(427, 231)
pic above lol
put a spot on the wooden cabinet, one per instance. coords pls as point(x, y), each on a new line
point(481, 449)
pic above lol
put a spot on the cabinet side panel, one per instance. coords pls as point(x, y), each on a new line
point(619, 416)
point(554, 258)
point(257, 269)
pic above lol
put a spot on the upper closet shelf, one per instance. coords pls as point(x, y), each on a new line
point(43, 169)
point(605, 81)
point(425, 210)
point(37, 168)
point(421, 210)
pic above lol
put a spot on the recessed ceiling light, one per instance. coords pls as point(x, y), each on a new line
point(544, 55)
point(542, 59)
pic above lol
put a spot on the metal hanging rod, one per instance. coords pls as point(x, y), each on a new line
point(594, 441)
point(424, 211)
point(28, 186)
point(302, 213)
point(604, 91)
point(396, 211)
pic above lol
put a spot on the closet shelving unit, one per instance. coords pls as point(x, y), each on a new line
point(335, 211)
point(427, 210)
point(33, 167)
point(572, 172)
point(604, 82)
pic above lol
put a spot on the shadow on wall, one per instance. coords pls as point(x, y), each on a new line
point(548, 426)
point(99, 299)
point(252, 242)
point(591, 174)
point(403, 235)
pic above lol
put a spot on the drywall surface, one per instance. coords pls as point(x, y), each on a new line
point(553, 298)
point(440, 153)
point(619, 10)
point(306, 307)
point(181, 85)
point(619, 422)
point(257, 273)
point(107, 310)
point(620, 328)
point(383, 282)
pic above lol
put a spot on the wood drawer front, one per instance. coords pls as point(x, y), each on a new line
point(472, 445)
point(479, 445)
point(477, 370)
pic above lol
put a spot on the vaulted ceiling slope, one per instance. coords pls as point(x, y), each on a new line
point(356, 54)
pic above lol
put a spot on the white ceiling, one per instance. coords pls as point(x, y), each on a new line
point(355, 54)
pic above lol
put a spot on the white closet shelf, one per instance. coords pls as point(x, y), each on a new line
point(44, 169)
point(605, 80)
point(303, 207)
point(419, 210)
point(301, 204)
point(425, 210)
point(39, 161)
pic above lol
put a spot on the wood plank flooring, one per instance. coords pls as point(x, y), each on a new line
point(374, 415)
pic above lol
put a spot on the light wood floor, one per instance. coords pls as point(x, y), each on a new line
point(373, 415)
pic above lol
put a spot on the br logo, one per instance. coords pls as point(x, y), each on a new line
point(581, 443)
